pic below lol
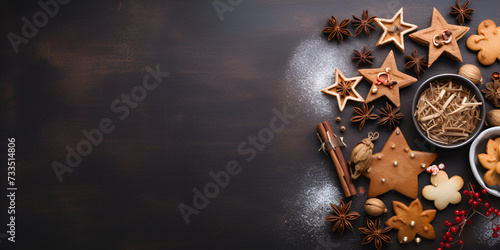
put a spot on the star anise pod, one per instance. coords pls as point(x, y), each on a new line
point(492, 92)
point(337, 29)
point(363, 24)
point(417, 62)
point(344, 88)
point(375, 233)
point(342, 216)
point(462, 12)
point(363, 115)
point(365, 57)
point(390, 116)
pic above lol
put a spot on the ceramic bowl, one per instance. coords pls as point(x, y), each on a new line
point(459, 80)
point(478, 146)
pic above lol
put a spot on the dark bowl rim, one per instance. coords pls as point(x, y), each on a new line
point(471, 86)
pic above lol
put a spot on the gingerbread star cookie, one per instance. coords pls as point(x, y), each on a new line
point(443, 191)
point(344, 89)
point(394, 30)
point(397, 167)
point(386, 80)
point(411, 221)
point(441, 38)
point(486, 42)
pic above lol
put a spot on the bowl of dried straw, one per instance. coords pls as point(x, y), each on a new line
point(448, 111)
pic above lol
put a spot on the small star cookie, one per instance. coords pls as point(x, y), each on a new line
point(394, 30)
point(443, 191)
point(344, 89)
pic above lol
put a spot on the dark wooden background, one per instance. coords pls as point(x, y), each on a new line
point(226, 77)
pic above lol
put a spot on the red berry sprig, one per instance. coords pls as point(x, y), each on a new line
point(462, 217)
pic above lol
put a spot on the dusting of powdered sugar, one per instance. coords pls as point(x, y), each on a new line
point(483, 231)
point(312, 68)
point(307, 208)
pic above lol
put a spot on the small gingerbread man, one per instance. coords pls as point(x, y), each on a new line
point(486, 42)
point(443, 191)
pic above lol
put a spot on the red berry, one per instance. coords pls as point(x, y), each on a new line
point(476, 195)
point(496, 211)
point(446, 223)
point(441, 244)
point(469, 222)
point(498, 214)
point(480, 200)
point(484, 191)
point(466, 192)
point(462, 212)
point(457, 212)
point(495, 229)
point(447, 234)
point(486, 204)
point(453, 229)
point(450, 239)
point(474, 203)
point(458, 219)
point(445, 237)
point(495, 235)
point(470, 200)
point(490, 209)
point(487, 214)
point(461, 242)
point(473, 186)
point(439, 248)
point(447, 245)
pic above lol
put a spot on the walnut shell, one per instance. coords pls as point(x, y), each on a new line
point(375, 207)
point(493, 118)
point(472, 73)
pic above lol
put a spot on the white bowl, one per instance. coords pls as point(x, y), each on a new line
point(478, 146)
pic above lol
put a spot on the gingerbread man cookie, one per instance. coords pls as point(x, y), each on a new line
point(443, 191)
point(486, 42)
point(411, 221)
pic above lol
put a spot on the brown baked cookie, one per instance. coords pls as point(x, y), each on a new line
point(441, 38)
point(487, 42)
point(386, 80)
point(397, 167)
point(411, 221)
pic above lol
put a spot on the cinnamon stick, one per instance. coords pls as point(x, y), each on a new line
point(338, 159)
